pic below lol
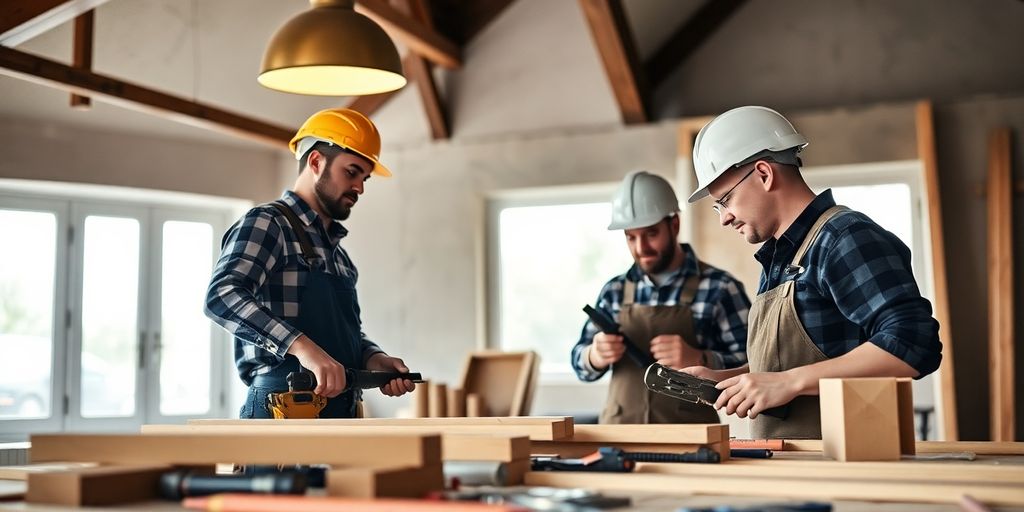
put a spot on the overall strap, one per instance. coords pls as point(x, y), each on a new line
point(308, 253)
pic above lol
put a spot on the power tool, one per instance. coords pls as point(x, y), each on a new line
point(300, 402)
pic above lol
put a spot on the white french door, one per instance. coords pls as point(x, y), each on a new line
point(101, 315)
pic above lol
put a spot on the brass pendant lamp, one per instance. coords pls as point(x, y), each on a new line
point(331, 50)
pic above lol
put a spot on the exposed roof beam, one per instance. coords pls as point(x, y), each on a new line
point(689, 37)
point(423, 74)
point(21, 20)
point(42, 71)
point(82, 53)
point(614, 42)
point(417, 36)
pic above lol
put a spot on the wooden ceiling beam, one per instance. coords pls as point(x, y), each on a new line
point(422, 72)
point(414, 34)
point(21, 20)
point(689, 37)
point(614, 41)
point(46, 72)
point(82, 53)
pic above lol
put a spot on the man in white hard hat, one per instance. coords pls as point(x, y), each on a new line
point(681, 310)
point(837, 297)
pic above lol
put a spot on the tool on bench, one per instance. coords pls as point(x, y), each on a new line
point(689, 388)
point(612, 459)
point(549, 499)
point(301, 402)
point(175, 485)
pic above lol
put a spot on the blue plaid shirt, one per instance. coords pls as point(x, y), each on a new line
point(259, 279)
point(719, 311)
point(858, 287)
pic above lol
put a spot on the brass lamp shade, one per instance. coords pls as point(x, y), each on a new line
point(331, 50)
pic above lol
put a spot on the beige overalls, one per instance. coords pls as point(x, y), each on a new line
point(778, 342)
point(629, 400)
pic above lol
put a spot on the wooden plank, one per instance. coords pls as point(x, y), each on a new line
point(103, 485)
point(50, 73)
point(925, 492)
point(976, 447)
point(674, 52)
point(415, 35)
point(378, 450)
point(946, 407)
point(575, 450)
point(539, 428)
point(82, 52)
point(21, 20)
point(23, 471)
point(655, 434)
point(423, 72)
point(1000, 286)
point(829, 470)
point(615, 45)
point(454, 446)
point(408, 482)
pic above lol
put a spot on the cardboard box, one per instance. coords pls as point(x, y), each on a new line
point(860, 419)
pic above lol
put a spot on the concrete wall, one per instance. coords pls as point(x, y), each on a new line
point(57, 152)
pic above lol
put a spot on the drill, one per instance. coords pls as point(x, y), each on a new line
point(300, 402)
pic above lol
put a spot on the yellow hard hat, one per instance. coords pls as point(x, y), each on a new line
point(344, 127)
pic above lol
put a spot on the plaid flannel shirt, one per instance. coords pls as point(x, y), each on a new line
point(858, 287)
point(719, 309)
point(259, 279)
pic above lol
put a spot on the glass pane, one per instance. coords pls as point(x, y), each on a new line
point(27, 266)
point(110, 293)
point(554, 259)
point(185, 340)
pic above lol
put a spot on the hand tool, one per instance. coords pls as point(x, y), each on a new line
point(689, 388)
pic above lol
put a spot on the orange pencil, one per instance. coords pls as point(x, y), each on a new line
point(756, 444)
point(272, 503)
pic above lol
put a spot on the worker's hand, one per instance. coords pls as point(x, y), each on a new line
point(670, 350)
point(607, 349)
point(751, 393)
point(385, 363)
point(330, 374)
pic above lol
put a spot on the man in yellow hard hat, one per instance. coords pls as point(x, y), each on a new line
point(283, 285)
point(837, 297)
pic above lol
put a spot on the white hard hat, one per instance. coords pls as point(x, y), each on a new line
point(732, 138)
point(642, 200)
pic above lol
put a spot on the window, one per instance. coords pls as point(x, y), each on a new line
point(101, 306)
point(550, 253)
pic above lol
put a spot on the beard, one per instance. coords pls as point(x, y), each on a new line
point(330, 201)
point(661, 264)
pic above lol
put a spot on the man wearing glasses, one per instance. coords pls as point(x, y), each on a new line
point(682, 311)
point(837, 297)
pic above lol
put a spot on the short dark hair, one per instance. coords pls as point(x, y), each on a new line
point(329, 151)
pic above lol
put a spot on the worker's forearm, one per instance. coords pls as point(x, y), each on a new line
point(866, 360)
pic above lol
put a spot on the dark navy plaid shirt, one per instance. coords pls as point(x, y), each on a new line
point(719, 309)
point(858, 287)
point(259, 279)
